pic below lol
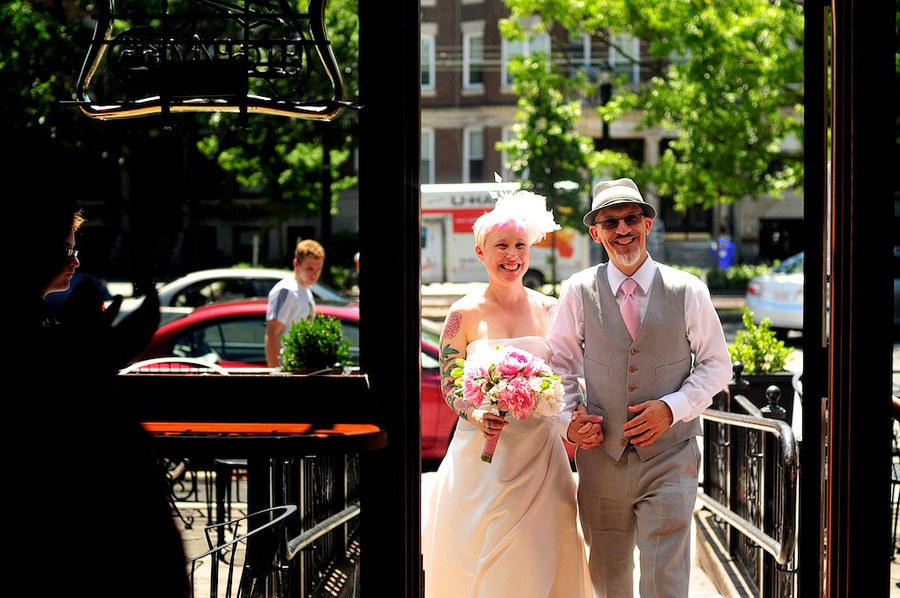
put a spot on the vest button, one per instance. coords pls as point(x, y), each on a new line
point(631, 388)
point(634, 351)
point(632, 369)
point(623, 442)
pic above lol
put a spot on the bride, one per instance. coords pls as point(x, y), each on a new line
point(509, 527)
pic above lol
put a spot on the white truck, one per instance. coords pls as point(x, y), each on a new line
point(448, 246)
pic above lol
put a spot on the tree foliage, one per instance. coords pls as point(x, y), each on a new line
point(726, 81)
point(299, 165)
point(39, 59)
point(546, 150)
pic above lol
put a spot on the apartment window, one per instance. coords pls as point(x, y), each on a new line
point(427, 53)
point(539, 42)
point(505, 171)
point(625, 56)
point(473, 55)
point(580, 53)
point(426, 174)
point(473, 156)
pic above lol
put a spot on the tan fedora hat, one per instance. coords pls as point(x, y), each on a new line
point(612, 193)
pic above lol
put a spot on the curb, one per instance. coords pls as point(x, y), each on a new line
point(714, 560)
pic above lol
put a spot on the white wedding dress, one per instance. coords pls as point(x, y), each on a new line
point(506, 528)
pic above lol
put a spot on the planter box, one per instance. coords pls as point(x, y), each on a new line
point(754, 387)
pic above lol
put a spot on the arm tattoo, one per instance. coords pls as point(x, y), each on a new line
point(448, 361)
point(451, 325)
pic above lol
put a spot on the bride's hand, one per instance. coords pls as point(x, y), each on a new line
point(489, 424)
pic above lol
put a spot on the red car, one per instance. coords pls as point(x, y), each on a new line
point(232, 335)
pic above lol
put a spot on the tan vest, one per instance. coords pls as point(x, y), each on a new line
point(619, 372)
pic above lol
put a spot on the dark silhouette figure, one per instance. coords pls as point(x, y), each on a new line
point(90, 512)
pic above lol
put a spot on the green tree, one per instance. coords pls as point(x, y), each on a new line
point(300, 166)
point(546, 150)
point(727, 77)
point(39, 58)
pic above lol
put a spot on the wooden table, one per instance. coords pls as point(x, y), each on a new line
point(260, 444)
point(264, 446)
point(255, 439)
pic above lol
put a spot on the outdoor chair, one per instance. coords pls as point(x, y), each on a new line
point(174, 365)
point(252, 549)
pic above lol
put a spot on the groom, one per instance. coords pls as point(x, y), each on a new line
point(650, 347)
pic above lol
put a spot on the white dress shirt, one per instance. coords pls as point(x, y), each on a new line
point(712, 365)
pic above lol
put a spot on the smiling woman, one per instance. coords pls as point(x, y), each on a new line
point(462, 555)
point(505, 253)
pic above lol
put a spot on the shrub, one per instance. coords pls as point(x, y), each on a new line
point(315, 344)
point(733, 278)
point(758, 348)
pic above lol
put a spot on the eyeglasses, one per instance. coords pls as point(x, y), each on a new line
point(70, 253)
point(613, 223)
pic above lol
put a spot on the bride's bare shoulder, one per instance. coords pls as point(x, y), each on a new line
point(541, 299)
point(473, 302)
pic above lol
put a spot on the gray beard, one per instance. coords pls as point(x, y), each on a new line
point(630, 258)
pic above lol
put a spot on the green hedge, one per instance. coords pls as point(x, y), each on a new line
point(733, 278)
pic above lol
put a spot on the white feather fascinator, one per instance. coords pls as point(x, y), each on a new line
point(527, 210)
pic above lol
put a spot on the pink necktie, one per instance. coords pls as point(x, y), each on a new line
point(629, 307)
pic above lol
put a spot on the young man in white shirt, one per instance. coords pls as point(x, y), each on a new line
point(291, 299)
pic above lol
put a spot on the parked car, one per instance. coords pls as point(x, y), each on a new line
point(206, 287)
point(232, 335)
point(778, 295)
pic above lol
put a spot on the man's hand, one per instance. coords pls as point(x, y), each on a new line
point(655, 417)
point(584, 429)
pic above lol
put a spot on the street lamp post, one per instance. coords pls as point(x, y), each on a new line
point(604, 78)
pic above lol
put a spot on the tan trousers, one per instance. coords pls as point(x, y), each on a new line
point(628, 503)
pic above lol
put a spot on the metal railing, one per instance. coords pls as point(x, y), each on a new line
point(325, 489)
point(750, 484)
point(782, 547)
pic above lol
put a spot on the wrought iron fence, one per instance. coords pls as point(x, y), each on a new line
point(750, 484)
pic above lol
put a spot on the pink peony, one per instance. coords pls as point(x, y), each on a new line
point(517, 397)
point(473, 378)
point(515, 362)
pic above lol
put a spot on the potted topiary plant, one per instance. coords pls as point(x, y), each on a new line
point(315, 346)
point(764, 358)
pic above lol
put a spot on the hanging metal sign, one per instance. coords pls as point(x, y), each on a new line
point(248, 56)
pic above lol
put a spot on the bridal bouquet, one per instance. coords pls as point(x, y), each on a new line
point(508, 381)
